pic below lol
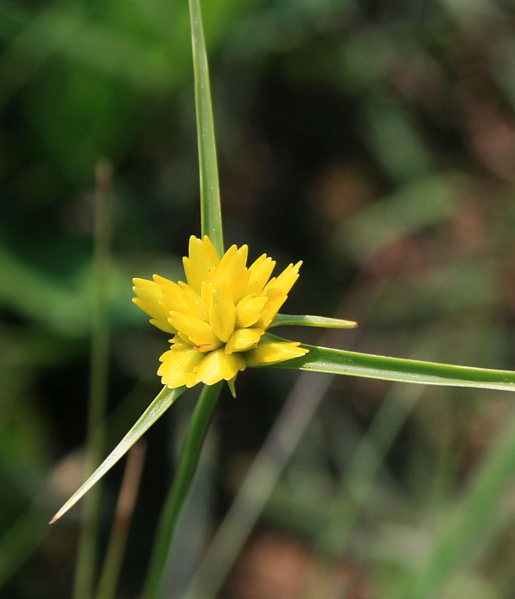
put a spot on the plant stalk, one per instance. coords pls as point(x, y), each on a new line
point(211, 225)
point(180, 487)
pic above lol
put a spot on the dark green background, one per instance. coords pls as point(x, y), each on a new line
point(374, 140)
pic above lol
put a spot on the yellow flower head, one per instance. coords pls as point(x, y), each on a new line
point(219, 317)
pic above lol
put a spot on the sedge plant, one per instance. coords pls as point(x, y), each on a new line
point(218, 321)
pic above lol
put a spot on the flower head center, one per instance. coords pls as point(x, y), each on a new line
point(219, 315)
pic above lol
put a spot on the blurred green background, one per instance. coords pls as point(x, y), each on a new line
point(373, 139)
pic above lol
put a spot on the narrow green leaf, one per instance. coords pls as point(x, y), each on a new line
point(338, 361)
point(154, 411)
point(210, 210)
point(312, 321)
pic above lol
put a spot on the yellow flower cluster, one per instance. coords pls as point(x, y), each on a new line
point(219, 316)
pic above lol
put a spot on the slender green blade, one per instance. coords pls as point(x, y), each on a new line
point(338, 361)
point(304, 320)
point(210, 210)
point(154, 411)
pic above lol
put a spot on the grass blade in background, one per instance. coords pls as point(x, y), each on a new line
point(155, 410)
point(355, 489)
point(210, 210)
point(180, 487)
point(338, 361)
point(85, 571)
point(469, 522)
point(123, 516)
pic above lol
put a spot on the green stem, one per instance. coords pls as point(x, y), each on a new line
point(180, 487)
point(210, 210)
point(88, 545)
point(211, 225)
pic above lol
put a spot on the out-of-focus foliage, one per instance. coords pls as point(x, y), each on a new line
point(385, 133)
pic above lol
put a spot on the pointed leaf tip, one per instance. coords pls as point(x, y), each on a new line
point(155, 410)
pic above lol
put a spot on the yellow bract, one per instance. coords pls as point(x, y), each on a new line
point(219, 316)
